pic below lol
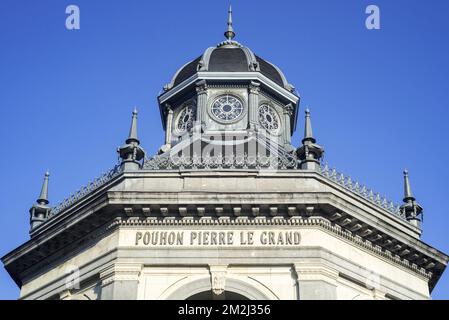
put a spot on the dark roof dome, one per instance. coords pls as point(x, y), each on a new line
point(230, 56)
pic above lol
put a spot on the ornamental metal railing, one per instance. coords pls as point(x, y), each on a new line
point(86, 190)
point(354, 186)
point(278, 162)
point(218, 162)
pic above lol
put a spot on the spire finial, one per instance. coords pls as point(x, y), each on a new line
point(39, 212)
point(308, 134)
point(133, 130)
point(411, 209)
point(43, 197)
point(407, 190)
point(309, 153)
point(229, 34)
point(131, 153)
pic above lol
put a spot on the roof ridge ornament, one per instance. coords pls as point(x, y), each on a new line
point(131, 153)
point(43, 197)
point(229, 34)
point(132, 137)
point(310, 152)
point(411, 210)
point(308, 133)
point(39, 211)
point(407, 189)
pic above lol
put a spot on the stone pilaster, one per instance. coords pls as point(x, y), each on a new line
point(201, 105)
point(253, 104)
point(288, 112)
point(120, 282)
point(316, 282)
point(168, 130)
point(168, 127)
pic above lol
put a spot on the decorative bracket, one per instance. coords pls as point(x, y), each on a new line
point(218, 278)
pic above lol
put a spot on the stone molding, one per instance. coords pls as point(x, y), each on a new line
point(310, 272)
point(218, 278)
point(314, 221)
point(229, 76)
point(65, 295)
point(120, 272)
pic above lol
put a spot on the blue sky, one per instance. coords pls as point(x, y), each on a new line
point(378, 98)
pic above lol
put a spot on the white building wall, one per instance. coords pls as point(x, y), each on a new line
point(322, 266)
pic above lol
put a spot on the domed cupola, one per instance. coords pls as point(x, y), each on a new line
point(230, 56)
point(229, 89)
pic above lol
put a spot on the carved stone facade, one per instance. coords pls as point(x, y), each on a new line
point(163, 235)
point(228, 208)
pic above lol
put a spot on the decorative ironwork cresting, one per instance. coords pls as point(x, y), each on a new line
point(86, 190)
point(353, 185)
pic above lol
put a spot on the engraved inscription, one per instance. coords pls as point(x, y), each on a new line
point(217, 238)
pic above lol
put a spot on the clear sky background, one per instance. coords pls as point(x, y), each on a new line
point(379, 98)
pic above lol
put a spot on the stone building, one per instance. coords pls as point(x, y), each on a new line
point(229, 208)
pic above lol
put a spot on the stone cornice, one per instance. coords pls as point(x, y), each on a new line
point(78, 206)
point(228, 76)
point(320, 222)
point(274, 207)
point(62, 224)
point(381, 213)
point(120, 272)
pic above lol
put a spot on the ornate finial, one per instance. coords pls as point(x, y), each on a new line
point(309, 153)
point(133, 130)
point(43, 197)
point(411, 209)
point(407, 190)
point(229, 34)
point(131, 153)
point(308, 134)
point(39, 211)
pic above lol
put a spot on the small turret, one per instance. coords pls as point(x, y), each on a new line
point(309, 153)
point(411, 209)
point(131, 152)
point(39, 211)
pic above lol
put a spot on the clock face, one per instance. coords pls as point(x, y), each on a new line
point(269, 119)
point(185, 119)
point(227, 108)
